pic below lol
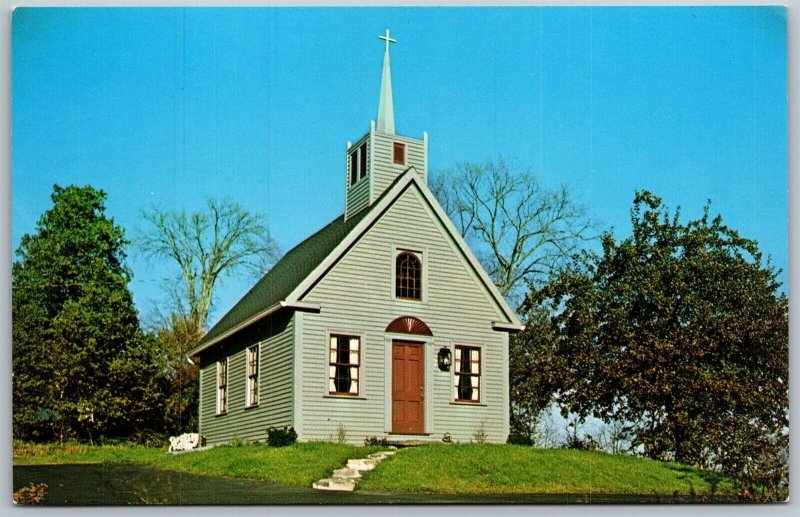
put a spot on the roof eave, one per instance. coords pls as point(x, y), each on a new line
point(298, 306)
point(507, 327)
point(411, 176)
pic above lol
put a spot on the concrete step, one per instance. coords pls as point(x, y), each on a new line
point(336, 485)
point(344, 480)
point(362, 464)
point(346, 473)
point(382, 454)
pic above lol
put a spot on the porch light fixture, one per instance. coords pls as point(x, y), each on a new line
point(445, 359)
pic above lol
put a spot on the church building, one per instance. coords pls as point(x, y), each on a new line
point(382, 324)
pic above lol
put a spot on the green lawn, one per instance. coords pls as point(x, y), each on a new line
point(509, 469)
point(298, 464)
point(435, 468)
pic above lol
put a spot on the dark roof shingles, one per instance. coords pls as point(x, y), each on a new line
point(286, 275)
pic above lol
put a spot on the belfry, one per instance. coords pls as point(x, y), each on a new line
point(381, 155)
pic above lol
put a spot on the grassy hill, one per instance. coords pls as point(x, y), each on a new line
point(509, 469)
point(435, 469)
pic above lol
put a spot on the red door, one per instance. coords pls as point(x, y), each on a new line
point(407, 388)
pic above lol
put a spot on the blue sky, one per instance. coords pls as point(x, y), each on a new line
point(167, 107)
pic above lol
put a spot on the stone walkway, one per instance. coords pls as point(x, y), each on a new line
point(344, 480)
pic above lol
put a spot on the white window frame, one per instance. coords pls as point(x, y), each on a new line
point(329, 373)
point(360, 172)
point(455, 377)
point(222, 388)
point(404, 147)
point(421, 254)
point(249, 377)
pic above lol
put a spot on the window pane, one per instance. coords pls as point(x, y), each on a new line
point(409, 276)
point(342, 379)
point(466, 366)
point(464, 387)
point(353, 167)
point(399, 155)
point(468, 371)
point(363, 158)
point(344, 364)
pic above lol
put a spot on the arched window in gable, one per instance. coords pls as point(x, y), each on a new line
point(408, 276)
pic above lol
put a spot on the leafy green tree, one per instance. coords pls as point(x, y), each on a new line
point(681, 331)
point(176, 337)
point(81, 365)
point(533, 374)
point(521, 231)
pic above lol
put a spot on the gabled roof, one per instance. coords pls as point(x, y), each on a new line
point(302, 267)
point(285, 276)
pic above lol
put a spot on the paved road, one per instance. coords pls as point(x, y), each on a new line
point(125, 484)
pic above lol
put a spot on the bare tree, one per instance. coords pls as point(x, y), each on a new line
point(206, 245)
point(518, 229)
point(614, 436)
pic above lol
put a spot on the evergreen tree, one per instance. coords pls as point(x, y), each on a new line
point(82, 368)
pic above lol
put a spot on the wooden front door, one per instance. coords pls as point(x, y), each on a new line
point(407, 388)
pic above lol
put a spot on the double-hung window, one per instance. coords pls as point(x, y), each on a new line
point(467, 373)
point(252, 375)
point(222, 386)
point(344, 365)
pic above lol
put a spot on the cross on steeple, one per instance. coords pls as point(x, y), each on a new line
point(386, 106)
point(387, 39)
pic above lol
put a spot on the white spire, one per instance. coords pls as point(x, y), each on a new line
point(386, 106)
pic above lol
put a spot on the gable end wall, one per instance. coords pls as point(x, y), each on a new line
point(357, 297)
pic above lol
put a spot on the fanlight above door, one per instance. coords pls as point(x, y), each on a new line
point(409, 325)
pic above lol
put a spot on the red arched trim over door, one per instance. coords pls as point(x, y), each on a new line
point(409, 325)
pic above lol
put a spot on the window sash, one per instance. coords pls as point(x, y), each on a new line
point(408, 276)
point(344, 358)
point(362, 161)
point(222, 386)
point(467, 370)
point(399, 153)
point(253, 358)
point(353, 167)
point(358, 163)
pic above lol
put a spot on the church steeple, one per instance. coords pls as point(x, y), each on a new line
point(385, 105)
point(380, 156)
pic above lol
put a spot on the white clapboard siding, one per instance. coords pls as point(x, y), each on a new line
point(357, 297)
point(384, 171)
point(276, 364)
point(358, 196)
